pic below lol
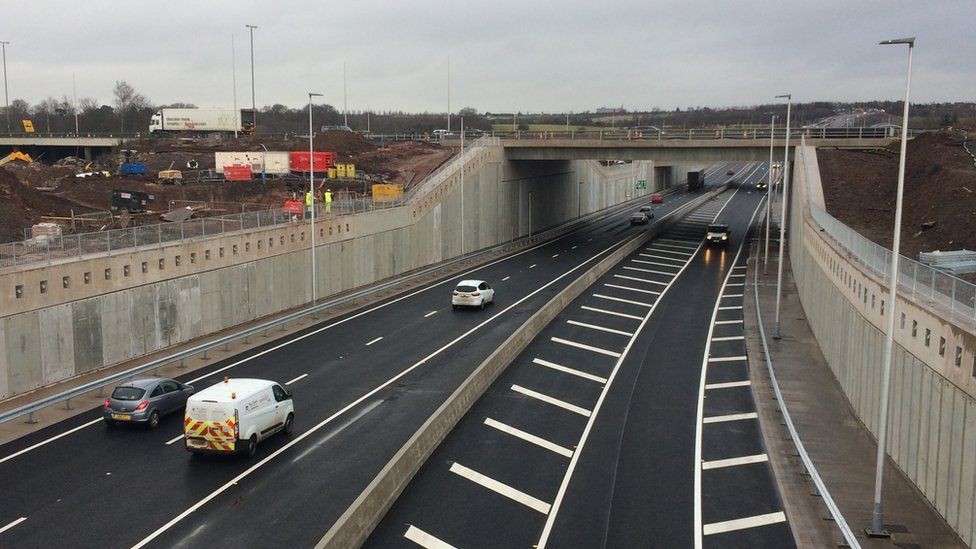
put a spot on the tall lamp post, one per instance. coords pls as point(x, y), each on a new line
point(782, 217)
point(311, 185)
point(254, 109)
point(6, 98)
point(769, 191)
point(877, 516)
point(462, 187)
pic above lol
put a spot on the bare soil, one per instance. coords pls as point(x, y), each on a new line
point(939, 200)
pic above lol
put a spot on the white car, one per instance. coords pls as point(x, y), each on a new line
point(472, 293)
point(234, 415)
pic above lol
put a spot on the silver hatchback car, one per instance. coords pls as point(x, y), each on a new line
point(145, 401)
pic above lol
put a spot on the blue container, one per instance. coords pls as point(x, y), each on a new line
point(133, 168)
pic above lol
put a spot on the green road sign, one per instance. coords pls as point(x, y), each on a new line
point(641, 185)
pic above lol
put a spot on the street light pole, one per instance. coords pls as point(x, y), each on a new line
point(6, 98)
point(877, 516)
point(782, 217)
point(345, 107)
point(311, 185)
point(462, 187)
point(254, 109)
point(769, 192)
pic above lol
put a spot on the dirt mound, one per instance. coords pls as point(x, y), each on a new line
point(345, 144)
point(940, 192)
point(22, 206)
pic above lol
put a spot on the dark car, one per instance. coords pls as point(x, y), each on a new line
point(730, 172)
point(761, 185)
point(638, 218)
point(144, 401)
point(717, 233)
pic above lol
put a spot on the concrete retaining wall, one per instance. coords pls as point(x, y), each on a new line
point(932, 412)
point(100, 311)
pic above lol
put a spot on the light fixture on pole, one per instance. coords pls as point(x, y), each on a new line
point(782, 217)
point(6, 98)
point(311, 185)
point(877, 516)
point(769, 192)
point(254, 108)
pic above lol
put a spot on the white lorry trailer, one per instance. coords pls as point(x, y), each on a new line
point(186, 121)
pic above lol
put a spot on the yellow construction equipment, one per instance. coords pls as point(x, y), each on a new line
point(174, 177)
point(16, 155)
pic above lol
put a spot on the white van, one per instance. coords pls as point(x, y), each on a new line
point(234, 415)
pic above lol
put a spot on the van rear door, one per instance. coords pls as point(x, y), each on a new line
point(210, 426)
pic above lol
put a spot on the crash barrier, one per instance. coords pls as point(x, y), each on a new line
point(359, 520)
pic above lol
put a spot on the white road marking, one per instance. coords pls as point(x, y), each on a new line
point(727, 358)
point(728, 385)
point(52, 439)
point(424, 539)
point(679, 241)
point(730, 308)
point(740, 267)
point(729, 338)
point(303, 376)
point(730, 417)
point(636, 279)
point(432, 313)
point(736, 284)
point(728, 321)
point(611, 298)
point(599, 328)
point(506, 278)
point(555, 255)
point(658, 263)
point(673, 252)
point(743, 523)
point(731, 295)
point(568, 370)
point(738, 276)
point(174, 440)
point(614, 313)
point(551, 400)
point(573, 248)
point(649, 271)
point(374, 341)
point(629, 289)
point(680, 261)
point(12, 524)
point(529, 437)
point(614, 354)
point(676, 246)
point(500, 488)
point(532, 266)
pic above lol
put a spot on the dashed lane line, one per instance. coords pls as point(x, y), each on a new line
point(730, 308)
point(599, 328)
point(568, 370)
point(500, 488)
point(532, 266)
point(629, 289)
point(529, 437)
point(739, 321)
point(733, 462)
point(374, 341)
point(299, 378)
point(728, 338)
point(726, 296)
point(174, 439)
point(506, 278)
point(584, 346)
point(681, 261)
point(728, 384)
point(743, 523)
point(613, 313)
point(425, 540)
point(649, 271)
point(621, 300)
point(730, 417)
point(12, 524)
point(55, 437)
point(551, 400)
point(430, 314)
point(736, 358)
point(658, 263)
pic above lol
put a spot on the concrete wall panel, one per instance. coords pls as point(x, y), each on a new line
point(57, 343)
point(87, 332)
point(116, 329)
point(23, 352)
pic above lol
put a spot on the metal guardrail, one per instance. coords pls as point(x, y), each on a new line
point(70, 135)
point(811, 469)
point(915, 280)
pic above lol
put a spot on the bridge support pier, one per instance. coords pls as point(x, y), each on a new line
point(87, 152)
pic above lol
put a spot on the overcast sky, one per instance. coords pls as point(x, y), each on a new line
point(553, 56)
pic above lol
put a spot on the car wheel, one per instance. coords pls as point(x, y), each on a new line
point(482, 304)
point(153, 419)
point(455, 307)
point(252, 446)
point(289, 423)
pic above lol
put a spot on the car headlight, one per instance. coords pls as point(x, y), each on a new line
point(725, 237)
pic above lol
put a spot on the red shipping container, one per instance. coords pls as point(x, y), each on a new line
point(298, 161)
point(237, 173)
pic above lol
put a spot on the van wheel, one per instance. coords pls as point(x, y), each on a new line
point(252, 446)
point(153, 419)
point(289, 423)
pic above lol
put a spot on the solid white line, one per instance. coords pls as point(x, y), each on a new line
point(636, 279)
point(506, 278)
point(430, 314)
point(550, 400)
point(600, 328)
point(732, 462)
point(730, 417)
point(728, 385)
point(680, 261)
point(611, 298)
point(297, 439)
point(614, 313)
point(500, 488)
point(730, 308)
point(584, 346)
point(528, 437)
point(424, 539)
point(726, 358)
point(629, 289)
point(736, 284)
point(738, 276)
point(649, 271)
point(569, 370)
point(728, 321)
point(12, 524)
point(740, 524)
point(52, 439)
point(296, 379)
point(532, 266)
point(174, 439)
point(374, 341)
point(728, 338)
point(731, 295)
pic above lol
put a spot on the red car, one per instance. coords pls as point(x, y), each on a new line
point(657, 199)
point(730, 172)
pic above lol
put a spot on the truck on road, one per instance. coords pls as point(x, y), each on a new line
point(696, 180)
point(201, 121)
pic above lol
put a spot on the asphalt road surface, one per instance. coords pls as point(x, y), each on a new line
point(629, 421)
point(363, 383)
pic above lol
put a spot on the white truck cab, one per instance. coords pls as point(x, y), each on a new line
point(234, 415)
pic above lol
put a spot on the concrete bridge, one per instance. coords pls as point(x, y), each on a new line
point(83, 144)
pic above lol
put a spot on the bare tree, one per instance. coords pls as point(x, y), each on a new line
point(127, 98)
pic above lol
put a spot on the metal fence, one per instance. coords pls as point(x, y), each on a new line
point(915, 279)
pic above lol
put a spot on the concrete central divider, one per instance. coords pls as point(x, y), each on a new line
point(358, 521)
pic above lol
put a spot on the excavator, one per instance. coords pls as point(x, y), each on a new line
point(16, 155)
